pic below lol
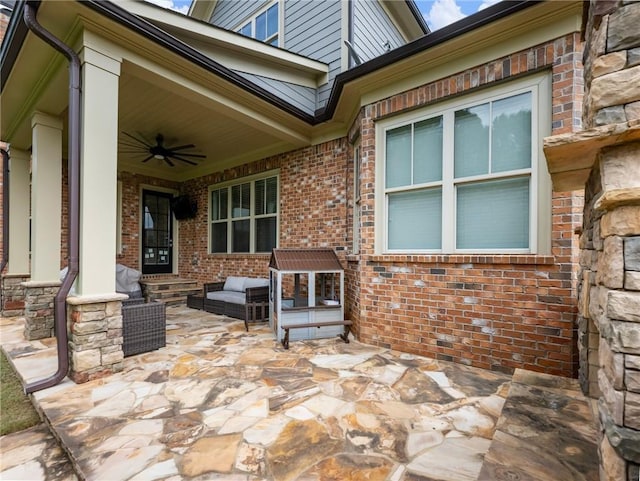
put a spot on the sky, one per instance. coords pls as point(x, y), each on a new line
point(437, 13)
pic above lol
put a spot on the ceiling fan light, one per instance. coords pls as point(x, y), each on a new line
point(158, 156)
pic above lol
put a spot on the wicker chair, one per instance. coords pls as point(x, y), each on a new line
point(144, 326)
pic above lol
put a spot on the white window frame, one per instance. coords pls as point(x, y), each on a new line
point(540, 184)
point(252, 21)
point(251, 217)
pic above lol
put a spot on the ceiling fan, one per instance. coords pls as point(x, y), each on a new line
point(159, 150)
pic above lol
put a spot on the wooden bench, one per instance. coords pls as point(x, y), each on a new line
point(345, 337)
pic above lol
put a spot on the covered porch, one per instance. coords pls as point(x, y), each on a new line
point(142, 89)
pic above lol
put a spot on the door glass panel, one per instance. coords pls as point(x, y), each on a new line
point(156, 235)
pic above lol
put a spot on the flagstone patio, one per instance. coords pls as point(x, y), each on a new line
point(220, 403)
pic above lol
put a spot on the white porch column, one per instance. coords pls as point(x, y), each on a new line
point(19, 204)
point(46, 197)
point(98, 183)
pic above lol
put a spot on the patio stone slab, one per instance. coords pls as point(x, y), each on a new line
point(220, 403)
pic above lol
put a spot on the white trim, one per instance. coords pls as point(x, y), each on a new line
point(252, 20)
point(119, 218)
point(540, 194)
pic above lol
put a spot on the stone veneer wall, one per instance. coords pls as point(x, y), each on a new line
point(95, 338)
point(38, 309)
point(13, 294)
point(609, 320)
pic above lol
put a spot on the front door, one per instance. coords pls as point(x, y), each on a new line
point(157, 229)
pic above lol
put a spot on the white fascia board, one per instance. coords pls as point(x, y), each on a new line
point(231, 49)
point(403, 19)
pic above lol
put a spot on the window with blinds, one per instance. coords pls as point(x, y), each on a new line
point(244, 216)
point(465, 177)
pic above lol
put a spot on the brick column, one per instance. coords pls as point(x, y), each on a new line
point(95, 336)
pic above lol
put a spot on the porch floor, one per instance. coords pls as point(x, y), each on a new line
point(220, 403)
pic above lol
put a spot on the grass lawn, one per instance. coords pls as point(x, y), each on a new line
point(17, 411)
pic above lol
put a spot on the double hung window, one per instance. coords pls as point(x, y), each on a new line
point(466, 177)
point(244, 216)
point(263, 26)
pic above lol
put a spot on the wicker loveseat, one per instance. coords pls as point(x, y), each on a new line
point(245, 298)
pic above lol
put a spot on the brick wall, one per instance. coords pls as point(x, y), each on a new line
point(313, 210)
point(494, 312)
point(497, 312)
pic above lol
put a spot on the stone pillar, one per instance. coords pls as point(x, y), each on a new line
point(18, 269)
point(94, 316)
point(13, 294)
point(38, 309)
point(611, 234)
point(95, 336)
point(605, 158)
point(46, 221)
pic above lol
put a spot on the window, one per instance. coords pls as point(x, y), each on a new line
point(466, 177)
point(244, 216)
point(263, 26)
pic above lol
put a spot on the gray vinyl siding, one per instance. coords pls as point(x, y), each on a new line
point(302, 97)
point(229, 13)
point(312, 29)
point(372, 28)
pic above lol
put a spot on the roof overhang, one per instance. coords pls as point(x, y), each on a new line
point(165, 87)
point(499, 30)
point(202, 90)
point(234, 51)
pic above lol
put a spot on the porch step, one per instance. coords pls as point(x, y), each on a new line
point(171, 290)
point(565, 444)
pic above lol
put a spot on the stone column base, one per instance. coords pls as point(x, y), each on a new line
point(13, 294)
point(38, 309)
point(94, 325)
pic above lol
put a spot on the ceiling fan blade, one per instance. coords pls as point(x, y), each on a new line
point(132, 145)
point(166, 159)
point(200, 156)
point(137, 139)
point(133, 152)
point(180, 147)
point(148, 158)
point(183, 159)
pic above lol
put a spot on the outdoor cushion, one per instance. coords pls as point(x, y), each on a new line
point(232, 297)
point(255, 282)
point(128, 281)
point(234, 284)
